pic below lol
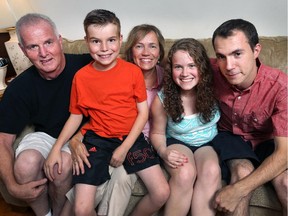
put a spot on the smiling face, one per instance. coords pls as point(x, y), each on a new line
point(184, 70)
point(146, 52)
point(236, 59)
point(104, 43)
point(43, 48)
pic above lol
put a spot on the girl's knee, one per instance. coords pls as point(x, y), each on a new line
point(185, 177)
point(210, 170)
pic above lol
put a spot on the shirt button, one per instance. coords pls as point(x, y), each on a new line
point(239, 97)
point(235, 124)
point(235, 114)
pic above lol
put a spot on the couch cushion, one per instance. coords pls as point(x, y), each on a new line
point(273, 53)
point(264, 196)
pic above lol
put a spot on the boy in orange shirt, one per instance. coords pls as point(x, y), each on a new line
point(112, 93)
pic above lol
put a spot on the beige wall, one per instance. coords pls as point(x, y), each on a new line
point(175, 18)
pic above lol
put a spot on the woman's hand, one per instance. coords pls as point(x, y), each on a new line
point(79, 154)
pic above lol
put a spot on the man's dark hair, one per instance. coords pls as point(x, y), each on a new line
point(229, 27)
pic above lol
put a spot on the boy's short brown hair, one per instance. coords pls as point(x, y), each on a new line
point(101, 17)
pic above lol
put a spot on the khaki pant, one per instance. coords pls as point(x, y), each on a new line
point(112, 197)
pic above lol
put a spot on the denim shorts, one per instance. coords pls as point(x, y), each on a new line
point(230, 146)
point(140, 156)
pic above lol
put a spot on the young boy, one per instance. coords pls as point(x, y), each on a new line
point(112, 93)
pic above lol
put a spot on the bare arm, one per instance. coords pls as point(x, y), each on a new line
point(29, 191)
point(6, 158)
point(271, 167)
point(158, 128)
point(54, 157)
point(120, 153)
point(172, 158)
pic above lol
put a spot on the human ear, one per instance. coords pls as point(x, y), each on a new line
point(257, 50)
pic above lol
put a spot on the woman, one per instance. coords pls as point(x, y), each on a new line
point(145, 48)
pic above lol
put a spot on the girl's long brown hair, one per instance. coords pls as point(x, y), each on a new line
point(205, 100)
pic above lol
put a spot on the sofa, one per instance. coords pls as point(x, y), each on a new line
point(264, 201)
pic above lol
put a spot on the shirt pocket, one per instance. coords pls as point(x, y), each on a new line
point(257, 121)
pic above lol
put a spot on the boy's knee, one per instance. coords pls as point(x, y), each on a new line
point(162, 195)
point(82, 210)
point(165, 193)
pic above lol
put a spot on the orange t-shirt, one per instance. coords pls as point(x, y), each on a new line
point(109, 97)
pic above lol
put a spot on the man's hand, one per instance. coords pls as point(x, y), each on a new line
point(228, 198)
point(79, 154)
point(30, 191)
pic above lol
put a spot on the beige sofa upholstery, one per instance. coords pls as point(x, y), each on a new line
point(264, 201)
point(273, 53)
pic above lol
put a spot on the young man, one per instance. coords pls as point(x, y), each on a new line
point(39, 96)
point(252, 142)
